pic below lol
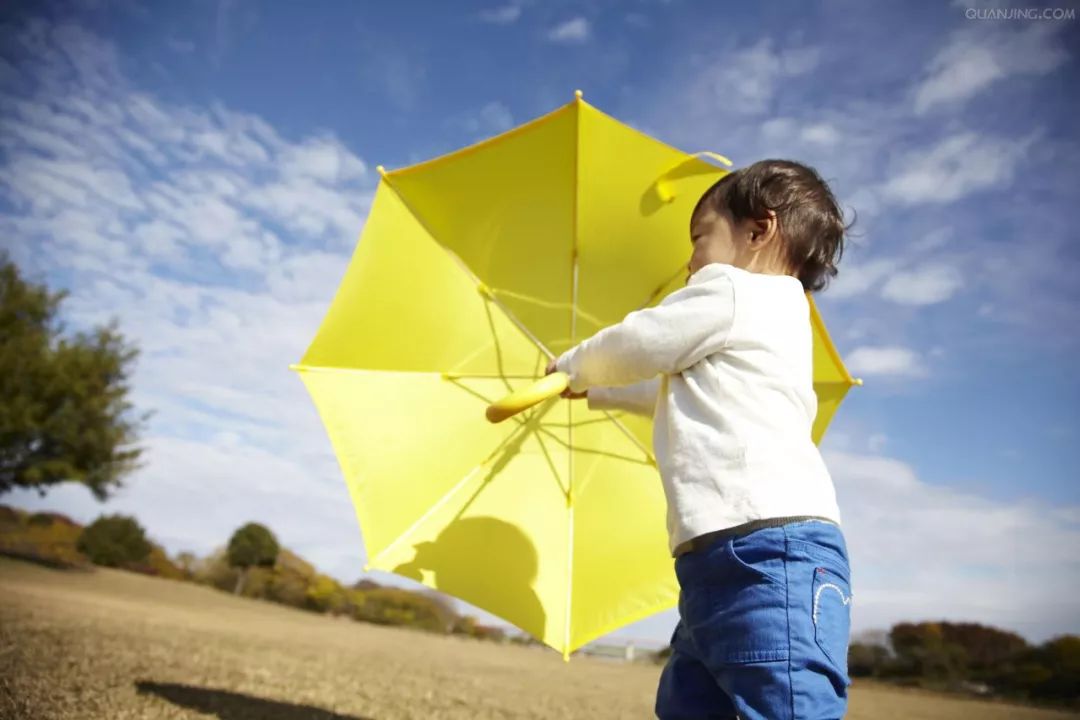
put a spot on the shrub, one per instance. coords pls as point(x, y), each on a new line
point(324, 594)
point(114, 541)
point(394, 606)
point(51, 544)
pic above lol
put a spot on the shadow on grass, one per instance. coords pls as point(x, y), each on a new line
point(235, 706)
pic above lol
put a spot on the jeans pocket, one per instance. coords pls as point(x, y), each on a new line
point(735, 613)
point(761, 554)
point(831, 613)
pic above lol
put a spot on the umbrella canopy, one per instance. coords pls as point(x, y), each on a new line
point(473, 270)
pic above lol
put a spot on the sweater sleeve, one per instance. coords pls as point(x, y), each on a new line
point(688, 325)
point(639, 398)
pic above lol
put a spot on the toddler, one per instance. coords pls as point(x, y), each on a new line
point(725, 366)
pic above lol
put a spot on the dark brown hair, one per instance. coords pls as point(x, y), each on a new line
point(809, 220)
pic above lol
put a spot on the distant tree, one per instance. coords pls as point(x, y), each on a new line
point(1062, 656)
point(986, 647)
point(251, 546)
point(1050, 671)
point(64, 414)
point(325, 594)
point(923, 650)
point(114, 541)
point(867, 660)
point(187, 562)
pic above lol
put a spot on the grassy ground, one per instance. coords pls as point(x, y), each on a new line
point(108, 644)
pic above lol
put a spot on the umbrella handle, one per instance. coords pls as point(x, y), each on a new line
point(523, 399)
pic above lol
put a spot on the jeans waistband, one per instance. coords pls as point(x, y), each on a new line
point(703, 541)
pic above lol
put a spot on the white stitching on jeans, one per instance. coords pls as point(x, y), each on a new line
point(817, 597)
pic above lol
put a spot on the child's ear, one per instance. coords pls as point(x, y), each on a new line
point(763, 229)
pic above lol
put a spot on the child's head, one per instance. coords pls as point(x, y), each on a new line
point(776, 217)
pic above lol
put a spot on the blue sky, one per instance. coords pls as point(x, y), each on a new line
point(201, 172)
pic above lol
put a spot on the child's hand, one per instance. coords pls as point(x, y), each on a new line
point(565, 393)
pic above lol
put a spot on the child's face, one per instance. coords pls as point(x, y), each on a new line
point(714, 239)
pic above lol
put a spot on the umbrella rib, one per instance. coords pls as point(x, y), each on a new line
point(481, 287)
point(656, 293)
point(540, 432)
point(446, 498)
point(570, 406)
point(632, 437)
point(549, 305)
point(445, 375)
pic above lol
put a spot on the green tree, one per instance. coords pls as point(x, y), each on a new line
point(1050, 671)
point(63, 409)
point(1062, 656)
point(114, 541)
point(987, 647)
point(924, 650)
point(867, 659)
point(251, 546)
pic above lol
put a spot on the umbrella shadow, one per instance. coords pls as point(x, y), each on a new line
point(228, 705)
point(483, 561)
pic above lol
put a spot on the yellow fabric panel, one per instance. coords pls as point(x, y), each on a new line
point(630, 242)
point(622, 570)
point(831, 378)
point(500, 541)
point(829, 396)
point(390, 434)
point(506, 209)
point(405, 305)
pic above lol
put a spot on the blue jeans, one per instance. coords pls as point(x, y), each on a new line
point(764, 623)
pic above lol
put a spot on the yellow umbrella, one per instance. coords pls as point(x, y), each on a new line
point(474, 269)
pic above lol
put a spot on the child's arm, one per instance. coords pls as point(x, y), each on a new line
point(639, 398)
point(688, 325)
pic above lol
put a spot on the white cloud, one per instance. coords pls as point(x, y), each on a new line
point(884, 361)
point(504, 15)
point(821, 134)
point(925, 552)
point(323, 159)
point(194, 494)
point(925, 285)
point(217, 244)
point(855, 279)
point(746, 80)
point(957, 166)
point(572, 31)
point(977, 57)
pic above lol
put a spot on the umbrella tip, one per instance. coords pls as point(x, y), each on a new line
point(381, 169)
point(578, 94)
point(858, 381)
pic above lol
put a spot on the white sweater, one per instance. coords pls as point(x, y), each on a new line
point(734, 402)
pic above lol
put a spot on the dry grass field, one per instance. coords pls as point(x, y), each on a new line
point(114, 645)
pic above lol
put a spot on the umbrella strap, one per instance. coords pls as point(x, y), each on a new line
point(687, 168)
